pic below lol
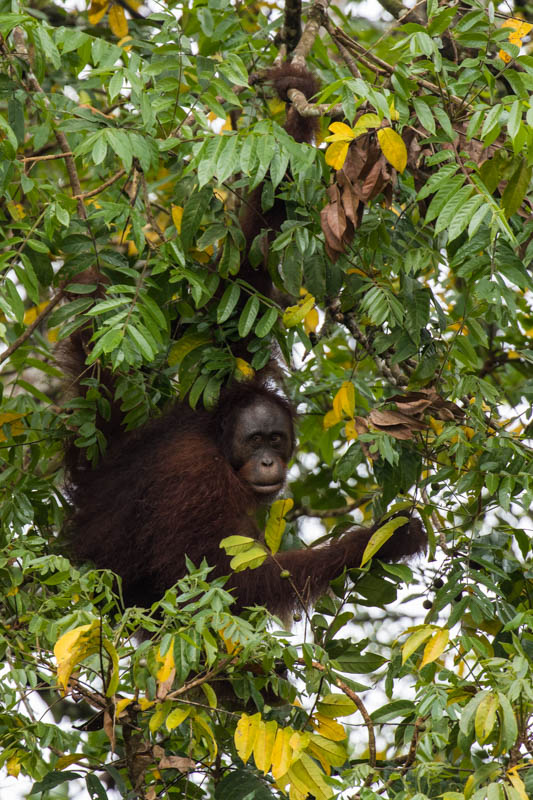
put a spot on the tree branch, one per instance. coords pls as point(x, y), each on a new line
point(35, 324)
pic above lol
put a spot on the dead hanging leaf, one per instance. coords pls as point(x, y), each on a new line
point(109, 729)
point(180, 763)
point(364, 175)
point(428, 401)
point(398, 425)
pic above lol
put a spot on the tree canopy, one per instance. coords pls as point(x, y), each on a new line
point(131, 137)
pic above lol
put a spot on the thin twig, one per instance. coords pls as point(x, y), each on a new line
point(45, 158)
point(35, 324)
point(33, 84)
point(113, 179)
point(372, 753)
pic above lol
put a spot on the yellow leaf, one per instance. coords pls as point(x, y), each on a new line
point(97, 11)
point(295, 794)
point(252, 558)
point(281, 752)
point(275, 526)
point(311, 321)
point(435, 647)
point(264, 744)
point(328, 728)
point(167, 663)
point(393, 148)
point(486, 716)
point(237, 544)
point(66, 761)
point(211, 741)
point(118, 22)
point(124, 43)
point(32, 313)
point(245, 735)
point(121, 704)
point(415, 640)
point(210, 694)
point(520, 27)
point(293, 315)
point(306, 776)
point(341, 133)
point(73, 647)
point(349, 430)
point(177, 716)
point(336, 154)
point(16, 210)
point(177, 216)
point(344, 400)
point(518, 783)
point(365, 122)
point(330, 419)
point(13, 766)
point(229, 644)
point(14, 420)
point(328, 751)
point(157, 719)
point(298, 742)
point(244, 368)
point(382, 535)
point(144, 703)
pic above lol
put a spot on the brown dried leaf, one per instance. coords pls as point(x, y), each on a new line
point(177, 762)
point(428, 400)
point(109, 729)
point(356, 159)
point(333, 244)
point(336, 219)
point(373, 180)
point(350, 203)
point(398, 431)
point(385, 419)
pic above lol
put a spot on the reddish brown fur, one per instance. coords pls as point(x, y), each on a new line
point(167, 491)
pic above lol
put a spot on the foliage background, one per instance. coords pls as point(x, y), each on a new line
point(130, 139)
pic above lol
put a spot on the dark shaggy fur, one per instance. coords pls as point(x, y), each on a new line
point(167, 491)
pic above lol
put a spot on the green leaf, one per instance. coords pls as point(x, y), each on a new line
point(248, 315)
point(227, 158)
point(119, 142)
point(228, 301)
point(232, 67)
point(514, 119)
point(516, 189)
point(451, 208)
point(508, 724)
point(444, 193)
point(464, 216)
point(193, 213)
point(423, 112)
point(266, 323)
point(336, 705)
